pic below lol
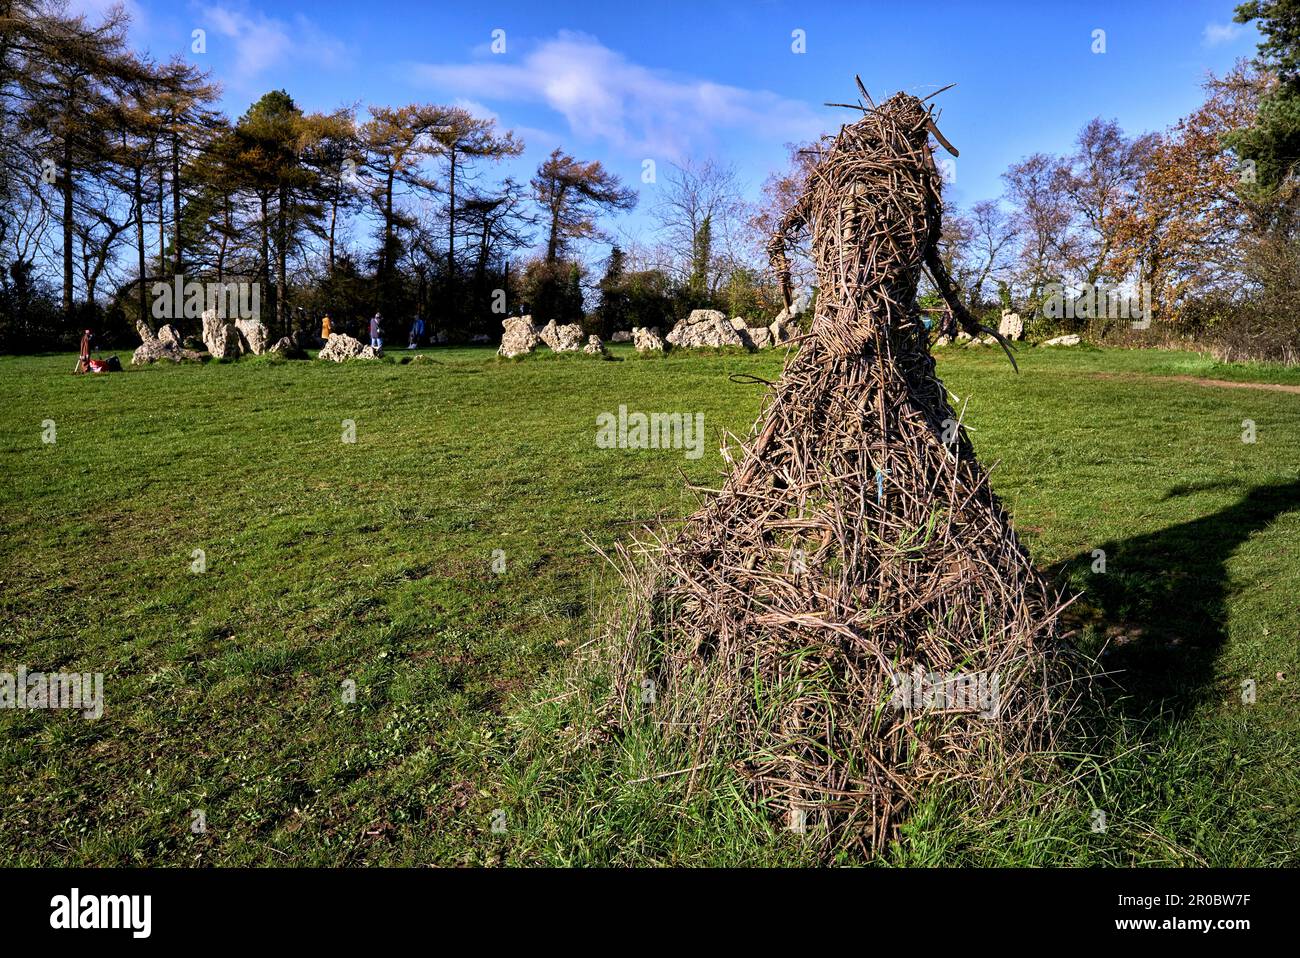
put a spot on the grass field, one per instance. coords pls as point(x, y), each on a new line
point(371, 562)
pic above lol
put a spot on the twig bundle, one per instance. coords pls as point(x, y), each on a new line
point(854, 547)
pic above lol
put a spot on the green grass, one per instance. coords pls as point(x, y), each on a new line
point(372, 562)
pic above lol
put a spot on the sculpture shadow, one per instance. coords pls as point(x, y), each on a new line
point(1158, 614)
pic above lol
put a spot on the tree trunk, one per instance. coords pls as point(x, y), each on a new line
point(334, 214)
point(178, 267)
point(552, 243)
point(387, 252)
point(451, 238)
point(162, 221)
point(266, 240)
point(281, 241)
point(385, 263)
point(221, 249)
point(67, 221)
point(139, 244)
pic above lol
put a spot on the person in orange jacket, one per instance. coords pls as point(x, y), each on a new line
point(325, 327)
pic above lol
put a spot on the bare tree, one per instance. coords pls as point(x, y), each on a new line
point(700, 214)
point(989, 246)
point(1042, 218)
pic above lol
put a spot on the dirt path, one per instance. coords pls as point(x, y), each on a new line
point(1198, 381)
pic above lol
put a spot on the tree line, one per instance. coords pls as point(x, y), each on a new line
point(1199, 219)
point(117, 171)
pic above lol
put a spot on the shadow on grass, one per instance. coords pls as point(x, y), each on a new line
point(1160, 608)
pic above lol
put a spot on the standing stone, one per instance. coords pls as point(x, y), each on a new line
point(220, 336)
point(286, 346)
point(705, 328)
point(594, 346)
point(341, 346)
point(646, 339)
point(520, 337)
point(751, 337)
point(621, 336)
point(166, 345)
point(798, 306)
point(562, 339)
point(253, 335)
point(1011, 326)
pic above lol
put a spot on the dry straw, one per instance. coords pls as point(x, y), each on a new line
point(855, 540)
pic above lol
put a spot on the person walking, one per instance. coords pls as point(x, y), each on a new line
point(376, 332)
point(417, 330)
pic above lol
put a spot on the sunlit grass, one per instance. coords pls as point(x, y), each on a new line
point(371, 562)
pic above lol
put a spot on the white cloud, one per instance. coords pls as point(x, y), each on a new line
point(603, 95)
point(260, 42)
point(475, 108)
point(1216, 34)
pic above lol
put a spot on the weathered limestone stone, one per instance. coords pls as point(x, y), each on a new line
point(220, 336)
point(707, 328)
point(562, 339)
point(1011, 325)
point(340, 347)
point(1071, 340)
point(594, 346)
point(253, 335)
point(621, 336)
point(154, 350)
point(780, 332)
point(166, 345)
point(798, 306)
point(287, 347)
point(646, 339)
point(520, 337)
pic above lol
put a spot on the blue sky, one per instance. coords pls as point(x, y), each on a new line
point(624, 80)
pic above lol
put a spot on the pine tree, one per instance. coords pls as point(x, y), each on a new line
point(612, 313)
